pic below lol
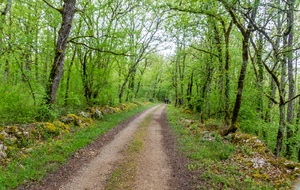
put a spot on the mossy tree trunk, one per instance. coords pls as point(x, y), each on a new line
point(67, 13)
point(2, 23)
point(189, 92)
point(68, 77)
point(142, 71)
point(246, 32)
point(290, 111)
point(227, 79)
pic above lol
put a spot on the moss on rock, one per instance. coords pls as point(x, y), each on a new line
point(50, 127)
point(1, 137)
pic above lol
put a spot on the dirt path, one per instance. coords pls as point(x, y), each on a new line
point(94, 174)
point(153, 169)
point(159, 166)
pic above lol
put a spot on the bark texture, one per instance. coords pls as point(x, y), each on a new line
point(290, 111)
point(68, 12)
point(246, 32)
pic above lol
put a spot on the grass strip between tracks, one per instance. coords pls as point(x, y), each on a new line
point(123, 175)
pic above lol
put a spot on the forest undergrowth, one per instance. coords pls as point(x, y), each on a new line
point(238, 161)
point(29, 151)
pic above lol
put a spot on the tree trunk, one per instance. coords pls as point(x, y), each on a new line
point(238, 99)
point(281, 128)
point(260, 104)
point(2, 21)
point(68, 12)
point(246, 32)
point(175, 79)
point(140, 80)
point(122, 88)
point(181, 77)
point(282, 123)
point(68, 77)
point(131, 85)
point(271, 103)
point(290, 112)
point(190, 91)
point(219, 44)
point(87, 82)
point(227, 79)
point(296, 81)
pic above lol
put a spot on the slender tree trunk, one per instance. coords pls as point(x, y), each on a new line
point(87, 82)
point(219, 44)
point(275, 54)
point(271, 103)
point(282, 124)
point(260, 105)
point(204, 92)
point(227, 79)
point(140, 80)
point(6, 70)
point(290, 111)
point(190, 91)
point(36, 43)
point(245, 58)
point(238, 99)
point(2, 21)
point(156, 82)
point(68, 77)
point(181, 77)
point(298, 103)
point(137, 89)
point(175, 79)
point(122, 89)
point(68, 12)
point(281, 128)
point(131, 86)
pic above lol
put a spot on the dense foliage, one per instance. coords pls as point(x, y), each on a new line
point(235, 60)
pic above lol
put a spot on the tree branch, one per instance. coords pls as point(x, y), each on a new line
point(234, 18)
point(7, 8)
point(97, 49)
point(79, 37)
point(202, 50)
point(50, 5)
point(271, 98)
point(292, 99)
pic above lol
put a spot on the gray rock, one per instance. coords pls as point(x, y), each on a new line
point(2, 154)
point(98, 113)
point(4, 133)
point(2, 151)
point(83, 114)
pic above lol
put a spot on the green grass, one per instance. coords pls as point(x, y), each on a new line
point(124, 174)
point(210, 160)
point(50, 155)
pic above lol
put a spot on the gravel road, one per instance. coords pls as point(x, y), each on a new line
point(159, 165)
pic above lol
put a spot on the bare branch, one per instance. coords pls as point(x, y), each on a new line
point(292, 99)
point(7, 8)
point(50, 5)
point(234, 17)
point(79, 37)
point(97, 49)
point(271, 98)
point(202, 50)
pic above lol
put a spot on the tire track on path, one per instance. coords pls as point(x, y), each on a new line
point(94, 174)
point(153, 165)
